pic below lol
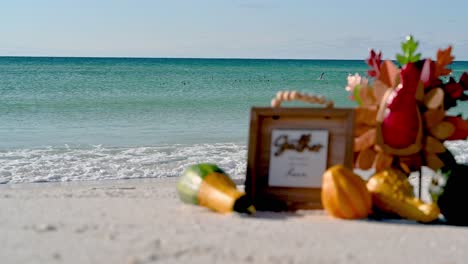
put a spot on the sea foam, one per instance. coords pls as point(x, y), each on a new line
point(61, 164)
point(53, 164)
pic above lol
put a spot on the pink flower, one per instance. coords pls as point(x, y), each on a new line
point(356, 82)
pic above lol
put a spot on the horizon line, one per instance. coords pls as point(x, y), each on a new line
point(139, 57)
point(186, 58)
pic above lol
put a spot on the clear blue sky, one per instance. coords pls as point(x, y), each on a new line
point(230, 28)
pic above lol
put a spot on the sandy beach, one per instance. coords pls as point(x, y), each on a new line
point(143, 221)
point(106, 105)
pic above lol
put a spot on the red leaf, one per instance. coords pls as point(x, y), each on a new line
point(461, 127)
point(453, 89)
point(464, 81)
point(374, 61)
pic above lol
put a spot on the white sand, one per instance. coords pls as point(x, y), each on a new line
point(143, 221)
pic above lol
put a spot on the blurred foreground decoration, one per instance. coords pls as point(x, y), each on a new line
point(209, 186)
point(339, 184)
point(392, 194)
point(401, 120)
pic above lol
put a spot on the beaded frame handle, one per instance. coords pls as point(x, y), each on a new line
point(282, 96)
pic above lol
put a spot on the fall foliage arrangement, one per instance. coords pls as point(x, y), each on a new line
point(401, 116)
point(401, 124)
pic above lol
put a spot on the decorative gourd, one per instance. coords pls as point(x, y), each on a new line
point(399, 129)
point(344, 194)
point(209, 186)
point(392, 193)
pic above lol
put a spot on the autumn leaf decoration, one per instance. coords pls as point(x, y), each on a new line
point(444, 58)
point(401, 116)
point(374, 61)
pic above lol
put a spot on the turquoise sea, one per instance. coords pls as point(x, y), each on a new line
point(65, 119)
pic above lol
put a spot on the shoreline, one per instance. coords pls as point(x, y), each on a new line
point(143, 221)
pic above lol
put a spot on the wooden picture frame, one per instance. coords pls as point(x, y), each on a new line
point(337, 148)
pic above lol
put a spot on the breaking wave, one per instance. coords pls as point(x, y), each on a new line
point(53, 164)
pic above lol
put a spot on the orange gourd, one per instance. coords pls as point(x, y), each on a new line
point(344, 194)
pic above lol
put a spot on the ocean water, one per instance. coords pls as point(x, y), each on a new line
point(67, 119)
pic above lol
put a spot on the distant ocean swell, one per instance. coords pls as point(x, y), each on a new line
point(128, 118)
point(62, 164)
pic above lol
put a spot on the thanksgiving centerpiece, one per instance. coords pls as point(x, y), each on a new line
point(401, 123)
point(401, 116)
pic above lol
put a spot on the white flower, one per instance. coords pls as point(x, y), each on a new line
point(356, 82)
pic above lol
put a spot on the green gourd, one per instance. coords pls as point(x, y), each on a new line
point(209, 186)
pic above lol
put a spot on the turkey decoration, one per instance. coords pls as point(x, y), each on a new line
point(401, 119)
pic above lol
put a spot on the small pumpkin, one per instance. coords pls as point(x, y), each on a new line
point(344, 194)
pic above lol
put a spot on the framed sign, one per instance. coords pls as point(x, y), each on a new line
point(290, 149)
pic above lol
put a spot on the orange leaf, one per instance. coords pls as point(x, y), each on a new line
point(382, 161)
point(444, 58)
point(432, 117)
point(389, 74)
point(433, 161)
point(365, 141)
point(365, 159)
point(361, 129)
point(443, 130)
point(434, 98)
point(433, 145)
point(366, 116)
point(367, 96)
point(380, 89)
